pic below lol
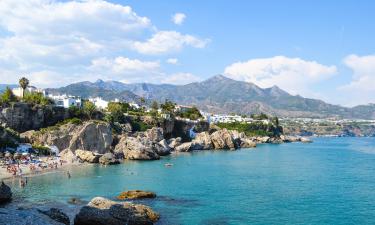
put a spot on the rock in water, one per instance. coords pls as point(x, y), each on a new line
point(5, 193)
point(202, 141)
point(247, 143)
point(174, 142)
point(68, 156)
point(25, 217)
point(222, 139)
point(87, 156)
point(108, 159)
point(162, 148)
point(136, 194)
point(101, 211)
point(136, 149)
point(185, 147)
point(57, 215)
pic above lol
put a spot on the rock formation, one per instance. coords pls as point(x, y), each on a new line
point(101, 211)
point(5, 193)
point(108, 159)
point(134, 148)
point(136, 194)
point(222, 139)
point(87, 156)
point(92, 136)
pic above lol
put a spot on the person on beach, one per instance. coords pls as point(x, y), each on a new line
point(68, 174)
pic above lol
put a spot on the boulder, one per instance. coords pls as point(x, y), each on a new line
point(174, 142)
point(203, 141)
point(136, 149)
point(247, 143)
point(101, 211)
point(154, 134)
point(68, 156)
point(222, 139)
point(57, 215)
point(5, 193)
point(136, 194)
point(162, 148)
point(87, 156)
point(185, 147)
point(108, 159)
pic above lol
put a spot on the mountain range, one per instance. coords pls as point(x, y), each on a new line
point(220, 94)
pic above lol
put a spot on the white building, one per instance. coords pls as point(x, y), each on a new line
point(227, 118)
point(30, 89)
point(99, 102)
point(66, 101)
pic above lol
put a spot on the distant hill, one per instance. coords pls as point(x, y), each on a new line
point(3, 86)
point(220, 94)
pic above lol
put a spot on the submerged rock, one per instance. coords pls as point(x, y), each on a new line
point(101, 211)
point(57, 215)
point(25, 217)
point(87, 156)
point(5, 193)
point(136, 194)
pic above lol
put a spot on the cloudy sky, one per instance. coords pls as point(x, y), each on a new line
point(319, 49)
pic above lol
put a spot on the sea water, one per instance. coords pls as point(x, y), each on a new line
point(330, 181)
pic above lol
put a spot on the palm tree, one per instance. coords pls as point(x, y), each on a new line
point(24, 82)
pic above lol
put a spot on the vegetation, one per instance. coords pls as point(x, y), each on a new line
point(89, 109)
point(253, 129)
point(261, 116)
point(42, 150)
point(168, 106)
point(73, 120)
point(37, 99)
point(24, 82)
point(192, 113)
point(138, 125)
point(7, 97)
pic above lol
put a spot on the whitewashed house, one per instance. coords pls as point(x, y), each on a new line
point(66, 101)
point(99, 102)
point(30, 89)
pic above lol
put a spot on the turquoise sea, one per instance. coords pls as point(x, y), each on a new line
point(330, 181)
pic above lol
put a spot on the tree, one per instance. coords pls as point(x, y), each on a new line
point(89, 109)
point(24, 82)
point(117, 111)
point(168, 106)
point(154, 108)
point(8, 96)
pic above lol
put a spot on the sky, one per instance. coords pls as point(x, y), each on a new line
point(317, 49)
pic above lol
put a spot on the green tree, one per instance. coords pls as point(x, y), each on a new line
point(117, 111)
point(24, 82)
point(168, 106)
point(89, 109)
point(37, 98)
point(8, 96)
point(154, 108)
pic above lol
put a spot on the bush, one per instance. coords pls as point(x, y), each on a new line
point(74, 120)
point(253, 129)
point(139, 126)
point(192, 113)
point(37, 99)
point(42, 150)
point(7, 96)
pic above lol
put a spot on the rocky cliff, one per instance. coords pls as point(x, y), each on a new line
point(93, 136)
point(23, 116)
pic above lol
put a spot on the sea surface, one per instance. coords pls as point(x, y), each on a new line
point(330, 181)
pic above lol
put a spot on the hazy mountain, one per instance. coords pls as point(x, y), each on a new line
point(3, 86)
point(220, 94)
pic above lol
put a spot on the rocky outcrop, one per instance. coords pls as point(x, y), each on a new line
point(23, 116)
point(136, 194)
point(222, 139)
point(101, 211)
point(87, 156)
point(5, 193)
point(202, 141)
point(162, 148)
point(56, 215)
point(247, 143)
point(91, 136)
point(154, 134)
point(108, 159)
point(185, 147)
point(68, 156)
point(136, 149)
point(174, 142)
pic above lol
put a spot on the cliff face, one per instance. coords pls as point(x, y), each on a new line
point(23, 116)
point(180, 128)
point(91, 136)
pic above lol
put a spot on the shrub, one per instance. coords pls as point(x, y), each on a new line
point(42, 150)
point(37, 98)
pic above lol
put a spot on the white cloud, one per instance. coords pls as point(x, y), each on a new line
point(121, 68)
point(178, 18)
point(181, 78)
point(64, 37)
point(173, 61)
point(361, 88)
point(168, 42)
point(292, 74)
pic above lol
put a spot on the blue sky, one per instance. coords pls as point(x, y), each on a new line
point(318, 49)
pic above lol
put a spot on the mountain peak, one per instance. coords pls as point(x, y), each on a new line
point(99, 81)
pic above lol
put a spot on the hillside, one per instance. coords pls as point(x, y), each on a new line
point(220, 94)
